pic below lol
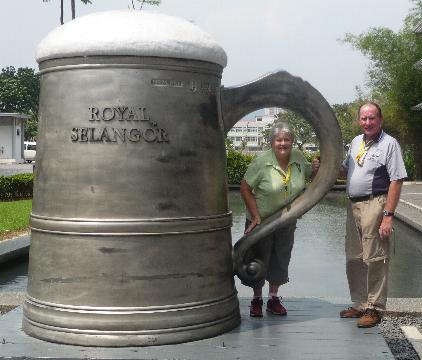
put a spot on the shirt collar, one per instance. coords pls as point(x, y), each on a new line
point(272, 160)
point(378, 138)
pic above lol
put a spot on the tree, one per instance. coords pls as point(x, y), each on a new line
point(19, 92)
point(346, 115)
point(393, 80)
point(148, 2)
point(72, 8)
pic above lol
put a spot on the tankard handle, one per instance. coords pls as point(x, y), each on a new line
point(280, 89)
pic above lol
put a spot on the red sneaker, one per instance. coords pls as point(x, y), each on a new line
point(275, 307)
point(256, 307)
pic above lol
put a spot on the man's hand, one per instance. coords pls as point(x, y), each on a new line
point(256, 220)
point(386, 228)
point(393, 196)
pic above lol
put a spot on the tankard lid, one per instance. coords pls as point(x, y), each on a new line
point(130, 33)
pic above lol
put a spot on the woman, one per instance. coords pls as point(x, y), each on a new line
point(273, 180)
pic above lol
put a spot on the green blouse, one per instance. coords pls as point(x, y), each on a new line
point(265, 177)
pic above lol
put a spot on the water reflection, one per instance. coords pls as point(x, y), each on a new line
point(13, 276)
point(406, 264)
point(317, 267)
point(318, 263)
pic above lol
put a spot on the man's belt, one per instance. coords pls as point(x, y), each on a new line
point(365, 197)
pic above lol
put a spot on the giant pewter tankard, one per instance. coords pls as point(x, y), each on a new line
point(131, 240)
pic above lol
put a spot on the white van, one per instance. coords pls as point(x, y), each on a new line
point(29, 151)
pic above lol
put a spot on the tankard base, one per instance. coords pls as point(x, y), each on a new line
point(120, 328)
point(119, 339)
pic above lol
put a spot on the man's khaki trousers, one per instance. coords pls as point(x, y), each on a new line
point(367, 255)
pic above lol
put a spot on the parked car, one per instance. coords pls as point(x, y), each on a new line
point(310, 148)
point(29, 151)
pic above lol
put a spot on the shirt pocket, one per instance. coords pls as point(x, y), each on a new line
point(375, 157)
point(375, 249)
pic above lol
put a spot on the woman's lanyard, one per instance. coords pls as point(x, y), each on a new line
point(285, 178)
point(363, 149)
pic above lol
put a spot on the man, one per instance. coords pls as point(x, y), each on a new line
point(375, 173)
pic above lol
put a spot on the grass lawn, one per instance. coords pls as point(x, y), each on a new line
point(14, 217)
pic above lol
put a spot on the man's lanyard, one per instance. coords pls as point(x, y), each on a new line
point(363, 150)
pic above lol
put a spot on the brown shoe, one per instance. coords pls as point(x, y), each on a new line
point(351, 312)
point(370, 318)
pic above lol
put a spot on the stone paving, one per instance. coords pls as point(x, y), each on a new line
point(311, 330)
point(412, 193)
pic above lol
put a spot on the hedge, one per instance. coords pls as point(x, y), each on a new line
point(237, 164)
point(16, 187)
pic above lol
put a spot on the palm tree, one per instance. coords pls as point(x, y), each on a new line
point(143, 2)
point(72, 7)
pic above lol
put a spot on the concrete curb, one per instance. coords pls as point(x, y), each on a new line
point(11, 298)
point(14, 248)
point(410, 214)
point(414, 337)
point(404, 306)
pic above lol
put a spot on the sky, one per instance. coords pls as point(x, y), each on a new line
point(299, 36)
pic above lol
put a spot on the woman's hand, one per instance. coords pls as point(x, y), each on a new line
point(256, 220)
point(315, 165)
point(250, 202)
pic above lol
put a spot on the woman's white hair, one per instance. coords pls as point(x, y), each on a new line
point(281, 127)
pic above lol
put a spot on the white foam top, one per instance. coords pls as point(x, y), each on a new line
point(130, 32)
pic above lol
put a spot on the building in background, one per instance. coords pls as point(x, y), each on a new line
point(11, 137)
point(272, 111)
point(248, 135)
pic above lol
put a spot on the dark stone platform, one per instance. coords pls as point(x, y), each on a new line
point(311, 330)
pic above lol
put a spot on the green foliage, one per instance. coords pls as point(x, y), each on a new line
point(410, 163)
point(237, 164)
point(309, 156)
point(393, 80)
point(149, 2)
point(19, 93)
point(16, 187)
point(229, 144)
point(346, 115)
point(14, 215)
point(146, 2)
point(31, 128)
point(304, 133)
point(19, 90)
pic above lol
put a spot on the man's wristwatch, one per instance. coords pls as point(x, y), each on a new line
point(388, 213)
